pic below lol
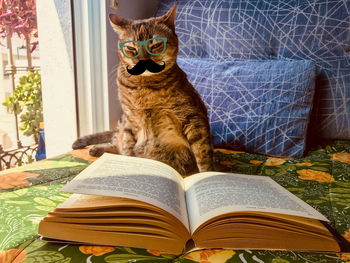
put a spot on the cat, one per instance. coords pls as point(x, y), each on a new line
point(163, 116)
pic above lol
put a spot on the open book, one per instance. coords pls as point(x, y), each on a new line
point(135, 202)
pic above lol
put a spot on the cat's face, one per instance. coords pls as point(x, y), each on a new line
point(142, 30)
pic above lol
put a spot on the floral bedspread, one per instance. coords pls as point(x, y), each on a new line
point(322, 179)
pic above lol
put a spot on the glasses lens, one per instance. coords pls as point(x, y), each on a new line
point(130, 49)
point(156, 46)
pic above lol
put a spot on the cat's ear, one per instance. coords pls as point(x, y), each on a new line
point(169, 18)
point(118, 23)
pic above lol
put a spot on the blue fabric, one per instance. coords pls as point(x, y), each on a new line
point(41, 152)
point(260, 106)
point(317, 30)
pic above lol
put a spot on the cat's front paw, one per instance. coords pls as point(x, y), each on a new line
point(96, 151)
point(79, 144)
point(208, 167)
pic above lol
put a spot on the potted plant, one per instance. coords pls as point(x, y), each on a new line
point(26, 102)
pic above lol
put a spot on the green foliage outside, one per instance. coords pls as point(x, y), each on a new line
point(26, 102)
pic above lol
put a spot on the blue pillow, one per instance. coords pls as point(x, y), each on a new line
point(277, 29)
point(261, 106)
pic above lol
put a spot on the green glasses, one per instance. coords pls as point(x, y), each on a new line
point(152, 46)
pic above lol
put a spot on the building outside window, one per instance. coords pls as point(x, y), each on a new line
point(19, 55)
point(8, 140)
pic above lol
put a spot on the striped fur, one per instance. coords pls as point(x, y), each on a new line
point(164, 117)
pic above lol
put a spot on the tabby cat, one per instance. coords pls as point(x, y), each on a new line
point(163, 117)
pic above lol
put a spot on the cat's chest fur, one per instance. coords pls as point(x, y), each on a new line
point(154, 120)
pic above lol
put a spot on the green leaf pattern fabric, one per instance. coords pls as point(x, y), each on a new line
point(28, 193)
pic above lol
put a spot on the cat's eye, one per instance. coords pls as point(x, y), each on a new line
point(129, 48)
point(157, 45)
point(155, 49)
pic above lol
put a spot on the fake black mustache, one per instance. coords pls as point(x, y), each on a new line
point(148, 64)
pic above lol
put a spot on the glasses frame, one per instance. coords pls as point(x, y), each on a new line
point(143, 43)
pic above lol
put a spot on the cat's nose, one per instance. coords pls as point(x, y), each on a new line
point(144, 55)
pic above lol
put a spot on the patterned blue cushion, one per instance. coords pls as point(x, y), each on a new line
point(317, 30)
point(261, 106)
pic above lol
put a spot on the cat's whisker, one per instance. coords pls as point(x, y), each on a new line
point(113, 72)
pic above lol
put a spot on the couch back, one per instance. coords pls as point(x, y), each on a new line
point(317, 30)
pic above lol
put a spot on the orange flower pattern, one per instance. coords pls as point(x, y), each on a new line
point(344, 256)
point(256, 162)
point(154, 252)
point(11, 180)
point(227, 163)
point(226, 151)
point(96, 250)
point(303, 164)
point(346, 235)
point(341, 157)
point(211, 256)
point(12, 255)
point(273, 161)
point(313, 175)
point(84, 154)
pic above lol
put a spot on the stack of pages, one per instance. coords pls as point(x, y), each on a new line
point(128, 201)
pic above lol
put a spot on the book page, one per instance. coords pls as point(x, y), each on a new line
point(141, 179)
point(211, 194)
